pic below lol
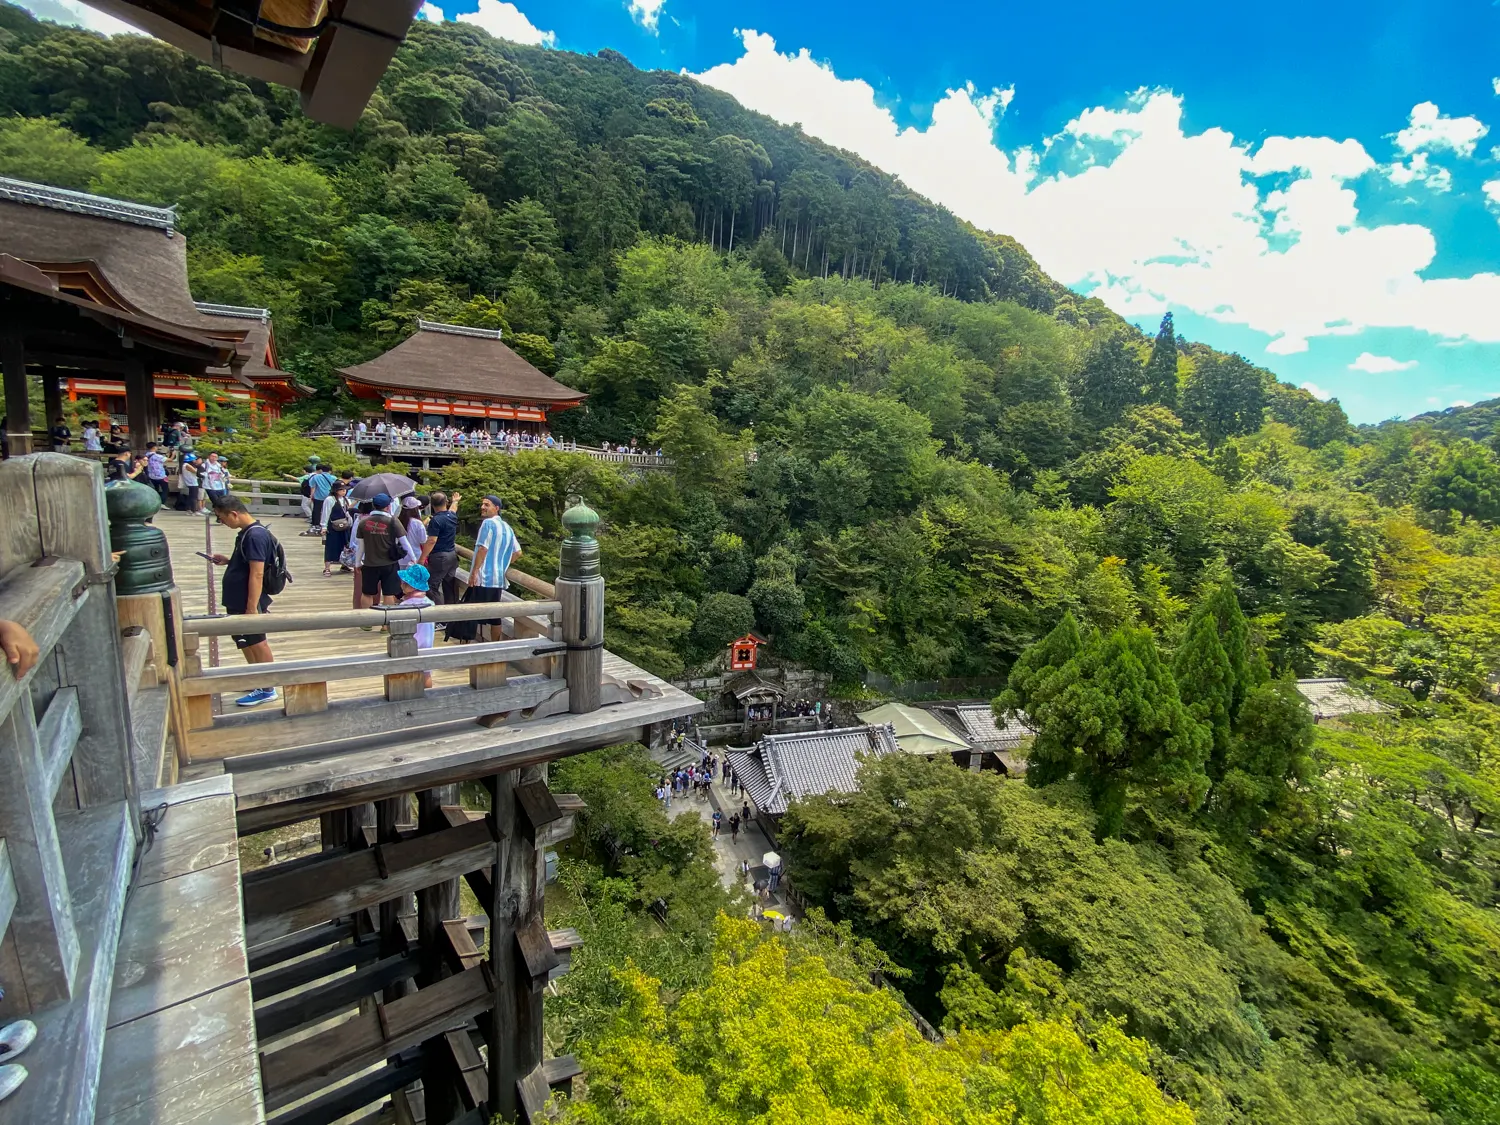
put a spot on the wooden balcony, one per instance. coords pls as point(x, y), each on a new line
point(178, 989)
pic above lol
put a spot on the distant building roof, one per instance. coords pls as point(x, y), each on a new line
point(1331, 698)
point(456, 360)
point(753, 688)
point(257, 351)
point(977, 724)
point(917, 731)
point(783, 767)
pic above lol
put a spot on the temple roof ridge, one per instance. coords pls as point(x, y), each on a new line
point(242, 312)
point(83, 203)
point(457, 329)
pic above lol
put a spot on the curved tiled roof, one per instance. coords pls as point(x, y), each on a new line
point(136, 249)
point(783, 767)
point(452, 359)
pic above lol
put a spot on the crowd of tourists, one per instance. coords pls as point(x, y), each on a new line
point(400, 551)
point(477, 439)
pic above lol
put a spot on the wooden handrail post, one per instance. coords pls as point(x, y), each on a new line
point(403, 642)
point(580, 589)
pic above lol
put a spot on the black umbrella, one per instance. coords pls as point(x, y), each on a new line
point(392, 484)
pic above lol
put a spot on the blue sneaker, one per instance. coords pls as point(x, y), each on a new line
point(257, 697)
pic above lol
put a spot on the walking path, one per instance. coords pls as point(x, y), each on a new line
point(751, 844)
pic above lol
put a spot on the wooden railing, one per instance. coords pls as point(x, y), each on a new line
point(532, 653)
point(268, 497)
point(69, 810)
point(385, 443)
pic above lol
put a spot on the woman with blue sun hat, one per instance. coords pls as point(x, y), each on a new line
point(414, 581)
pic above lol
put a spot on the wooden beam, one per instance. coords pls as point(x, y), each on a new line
point(238, 735)
point(339, 994)
point(280, 793)
point(537, 808)
point(473, 1086)
point(339, 884)
point(346, 1099)
point(213, 681)
point(298, 945)
point(273, 982)
point(312, 1063)
point(223, 626)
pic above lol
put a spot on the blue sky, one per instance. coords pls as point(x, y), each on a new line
point(1314, 184)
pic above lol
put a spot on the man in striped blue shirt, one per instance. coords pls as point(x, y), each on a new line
point(495, 548)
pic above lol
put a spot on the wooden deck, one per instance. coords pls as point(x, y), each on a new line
point(351, 763)
point(309, 592)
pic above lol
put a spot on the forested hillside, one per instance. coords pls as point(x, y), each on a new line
point(900, 448)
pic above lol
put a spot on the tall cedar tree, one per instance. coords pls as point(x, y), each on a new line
point(1109, 384)
point(1161, 368)
point(1215, 667)
point(1029, 676)
point(1205, 680)
point(1112, 718)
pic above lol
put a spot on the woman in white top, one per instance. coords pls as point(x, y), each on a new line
point(414, 532)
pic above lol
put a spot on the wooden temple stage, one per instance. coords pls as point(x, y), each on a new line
point(171, 987)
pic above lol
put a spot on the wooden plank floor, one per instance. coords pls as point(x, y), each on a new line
point(181, 1046)
point(309, 592)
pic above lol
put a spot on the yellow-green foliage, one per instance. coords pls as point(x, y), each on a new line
point(774, 1038)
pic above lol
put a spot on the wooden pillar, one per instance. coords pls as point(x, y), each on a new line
point(51, 402)
point(519, 881)
point(435, 905)
point(580, 589)
point(440, 902)
point(139, 403)
point(17, 401)
point(389, 813)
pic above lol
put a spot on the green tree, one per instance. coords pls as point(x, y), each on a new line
point(1112, 718)
point(1223, 397)
point(1465, 480)
point(44, 151)
point(1161, 368)
point(720, 619)
point(774, 1035)
point(1109, 384)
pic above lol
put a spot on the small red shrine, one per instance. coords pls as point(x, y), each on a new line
point(744, 652)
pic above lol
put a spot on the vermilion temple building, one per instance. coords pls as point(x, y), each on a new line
point(118, 270)
point(451, 374)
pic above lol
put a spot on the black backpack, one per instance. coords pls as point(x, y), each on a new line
point(276, 574)
point(275, 577)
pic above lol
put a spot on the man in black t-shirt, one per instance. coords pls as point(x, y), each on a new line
point(243, 587)
point(380, 535)
point(440, 552)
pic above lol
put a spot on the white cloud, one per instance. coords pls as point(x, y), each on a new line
point(1460, 402)
point(1496, 83)
point(1380, 364)
point(647, 13)
point(1148, 216)
point(430, 12)
point(1317, 392)
point(505, 21)
point(1429, 129)
point(1492, 192)
point(73, 14)
point(1419, 170)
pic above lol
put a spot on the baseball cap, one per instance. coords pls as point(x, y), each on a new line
point(382, 499)
point(410, 501)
